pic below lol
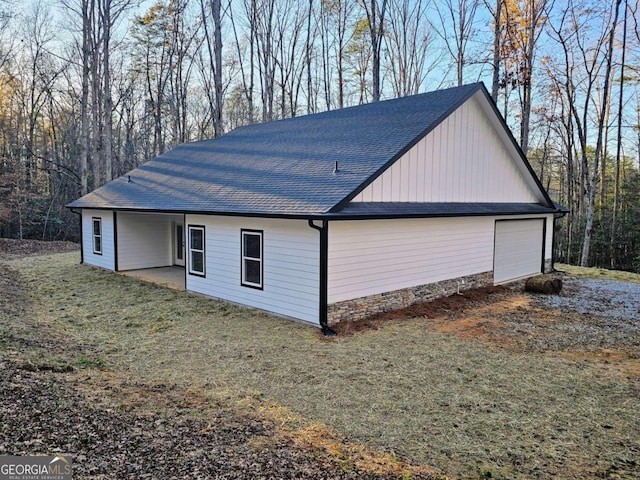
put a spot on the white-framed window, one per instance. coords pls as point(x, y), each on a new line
point(251, 258)
point(196, 250)
point(97, 235)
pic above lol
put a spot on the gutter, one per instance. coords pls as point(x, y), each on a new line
point(333, 216)
point(324, 276)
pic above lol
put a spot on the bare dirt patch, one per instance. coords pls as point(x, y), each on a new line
point(452, 305)
point(596, 320)
point(48, 414)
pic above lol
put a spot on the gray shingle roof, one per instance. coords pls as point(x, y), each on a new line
point(283, 167)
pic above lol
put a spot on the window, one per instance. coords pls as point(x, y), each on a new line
point(97, 235)
point(196, 250)
point(252, 258)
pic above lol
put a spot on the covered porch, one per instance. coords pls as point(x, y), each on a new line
point(147, 242)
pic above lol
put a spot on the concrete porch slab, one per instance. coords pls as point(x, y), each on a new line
point(170, 277)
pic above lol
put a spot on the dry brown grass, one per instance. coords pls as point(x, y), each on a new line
point(421, 395)
point(594, 272)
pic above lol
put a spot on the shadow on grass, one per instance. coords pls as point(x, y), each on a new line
point(429, 397)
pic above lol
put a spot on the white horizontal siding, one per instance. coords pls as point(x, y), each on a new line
point(144, 240)
point(376, 256)
point(290, 265)
point(464, 159)
point(106, 260)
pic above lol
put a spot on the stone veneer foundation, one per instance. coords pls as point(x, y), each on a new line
point(359, 308)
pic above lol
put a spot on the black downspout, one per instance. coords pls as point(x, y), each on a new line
point(324, 276)
point(553, 245)
point(184, 248)
point(81, 237)
point(544, 245)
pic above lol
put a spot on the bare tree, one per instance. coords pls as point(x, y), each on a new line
point(498, 34)
point(616, 194)
point(376, 15)
point(408, 42)
point(289, 54)
point(247, 74)
point(214, 47)
point(457, 23)
point(584, 261)
point(84, 102)
point(358, 58)
point(524, 22)
point(264, 25)
point(337, 28)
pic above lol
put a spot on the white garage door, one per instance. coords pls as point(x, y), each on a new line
point(518, 249)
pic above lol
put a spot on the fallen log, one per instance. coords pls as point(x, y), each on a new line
point(543, 284)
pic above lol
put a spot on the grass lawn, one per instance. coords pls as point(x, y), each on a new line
point(593, 272)
point(466, 408)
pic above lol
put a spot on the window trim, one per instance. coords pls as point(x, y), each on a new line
point(190, 250)
point(98, 220)
point(243, 257)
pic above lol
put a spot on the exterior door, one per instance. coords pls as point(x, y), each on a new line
point(178, 244)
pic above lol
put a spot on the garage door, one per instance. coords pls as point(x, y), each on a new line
point(518, 249)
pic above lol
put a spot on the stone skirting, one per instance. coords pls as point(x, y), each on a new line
point(548, 266)
point(359, 308)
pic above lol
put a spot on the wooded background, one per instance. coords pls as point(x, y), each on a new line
point(90, 89)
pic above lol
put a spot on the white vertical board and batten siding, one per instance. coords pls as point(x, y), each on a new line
point(464, 159)
point(377, 256)
point(144, 240)
point(291, 265)
point(107, 259)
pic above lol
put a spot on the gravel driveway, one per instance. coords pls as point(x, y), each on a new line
point(607, 298)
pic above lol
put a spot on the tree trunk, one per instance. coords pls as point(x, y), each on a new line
point(616, 195)
point(497, 36)
point(376, 18)
point(106, 85)
point(217, 73)
point(584, 261)
point(84, 101)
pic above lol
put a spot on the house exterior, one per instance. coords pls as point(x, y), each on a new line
point(337, 215)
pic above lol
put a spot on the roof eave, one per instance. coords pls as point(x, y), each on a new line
point(334, 216)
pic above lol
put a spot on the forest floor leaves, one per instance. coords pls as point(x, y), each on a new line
point(138, 381)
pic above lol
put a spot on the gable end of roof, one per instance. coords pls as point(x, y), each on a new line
point(453, 107)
